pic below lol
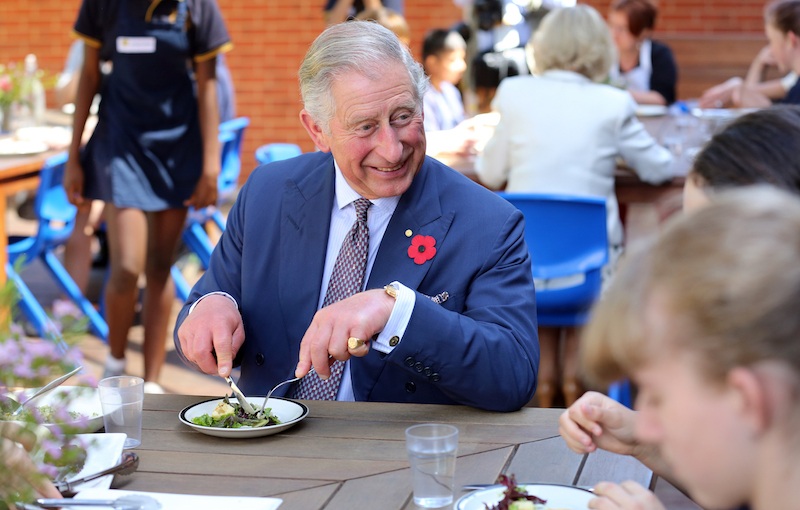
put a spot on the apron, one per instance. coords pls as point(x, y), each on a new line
point(146, 151)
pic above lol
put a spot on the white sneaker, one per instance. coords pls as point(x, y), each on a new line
point(153, 387)
point(114, 367)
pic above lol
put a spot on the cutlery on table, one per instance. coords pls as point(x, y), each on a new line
point(240, 396)
point(44, 389)
point(130, 502)
point(264, 405)
point(128, 463)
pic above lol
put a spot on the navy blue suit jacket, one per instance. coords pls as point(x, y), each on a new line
point(479, 347)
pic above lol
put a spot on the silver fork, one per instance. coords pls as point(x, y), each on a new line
point(264, 405)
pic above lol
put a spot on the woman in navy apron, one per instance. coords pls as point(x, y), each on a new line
point(154, 151)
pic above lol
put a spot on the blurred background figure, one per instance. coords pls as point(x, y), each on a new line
point(782, 26)
point(704, 321)
point(154, 152)
point(87, 245)
point(336, 11)
point(444, 55)
point(757, 148)
point(734, 91)
point(562, 131)
point(646, 68)
point(390, 19)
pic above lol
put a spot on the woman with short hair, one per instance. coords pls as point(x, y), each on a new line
point(562, 131)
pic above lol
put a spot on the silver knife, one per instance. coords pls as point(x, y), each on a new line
point(240, 396)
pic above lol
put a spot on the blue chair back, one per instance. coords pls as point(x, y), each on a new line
point(567, 237)
point(231, 134)
point(55, 214)
point(276, 152)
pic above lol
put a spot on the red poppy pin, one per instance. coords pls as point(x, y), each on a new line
point(422, 248)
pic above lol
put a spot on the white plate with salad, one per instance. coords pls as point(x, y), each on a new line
point(224, 417)
point(75, 406)
point(555, 497)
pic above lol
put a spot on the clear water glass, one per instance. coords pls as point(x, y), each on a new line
point(432, 449)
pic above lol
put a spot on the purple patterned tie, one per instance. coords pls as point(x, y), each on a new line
point(346, 279)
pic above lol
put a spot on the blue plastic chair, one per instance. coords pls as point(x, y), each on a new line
point(56, 218)
point(231, 135)
point(276, 152)
point(567, 237)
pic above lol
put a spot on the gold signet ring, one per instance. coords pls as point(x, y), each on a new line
point(354, 343)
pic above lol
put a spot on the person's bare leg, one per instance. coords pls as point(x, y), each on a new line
point(127, 234)
point(78, 248)
point(572, 387)
point(165, 228)
point(549, 339)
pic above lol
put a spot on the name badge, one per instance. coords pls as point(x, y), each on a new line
point(136, 44)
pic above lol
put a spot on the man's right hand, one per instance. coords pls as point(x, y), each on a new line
point(212, 334)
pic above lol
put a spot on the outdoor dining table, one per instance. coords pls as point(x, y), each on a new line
point(352, 455)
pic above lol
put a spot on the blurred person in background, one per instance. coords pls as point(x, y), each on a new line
point(757, 148)
point(390, 19)
point(336, 11)
point(734, 92)
point(153, 153)
point(645, 68)
point(704, 321)
point(562, 131)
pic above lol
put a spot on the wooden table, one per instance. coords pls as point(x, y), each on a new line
point(351, 455)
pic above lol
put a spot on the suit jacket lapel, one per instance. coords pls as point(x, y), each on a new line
point(303, 243)
point(418, 212)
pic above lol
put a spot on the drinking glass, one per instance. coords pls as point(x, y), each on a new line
point(432, 451)
point(121, 398)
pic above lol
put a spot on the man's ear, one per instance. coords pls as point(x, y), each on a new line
point(751, 394)
point(315, 131)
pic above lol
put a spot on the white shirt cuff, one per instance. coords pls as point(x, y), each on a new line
point(398, 320)
point(215, 293)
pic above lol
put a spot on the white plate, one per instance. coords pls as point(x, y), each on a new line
point(180, 501)
point(80, 399)
point(288, 412)
point(651, 110)
point(558, 496)
point(102, 452)
point(12, 147)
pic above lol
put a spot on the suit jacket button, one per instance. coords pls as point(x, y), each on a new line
point(394, 341)
point(428, 371)
point(435, 377)
point(409, 361)
point(418, 366)
point(259, 359)
point(411, 387)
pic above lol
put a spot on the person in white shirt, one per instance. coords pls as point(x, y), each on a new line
point(561, 131)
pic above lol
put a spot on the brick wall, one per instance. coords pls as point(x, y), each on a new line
point(271, 37)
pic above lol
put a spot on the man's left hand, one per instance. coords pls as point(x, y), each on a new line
point(362, 316)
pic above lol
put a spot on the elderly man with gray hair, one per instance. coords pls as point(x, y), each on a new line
point(396, 278)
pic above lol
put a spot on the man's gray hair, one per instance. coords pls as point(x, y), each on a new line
point(363, 47)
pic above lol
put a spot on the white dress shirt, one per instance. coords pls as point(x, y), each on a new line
point(343, 216)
